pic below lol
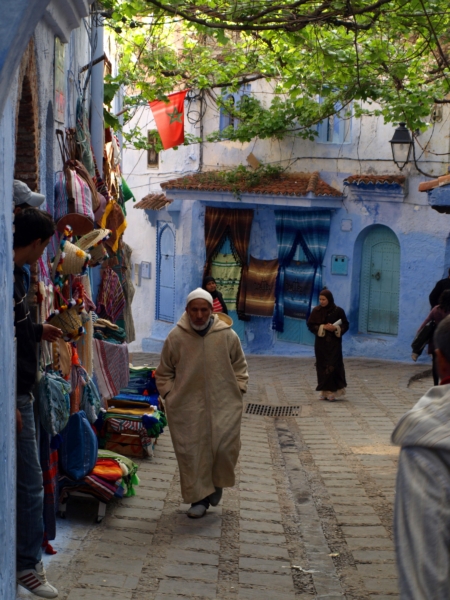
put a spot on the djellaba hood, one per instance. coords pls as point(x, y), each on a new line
point(427, 424)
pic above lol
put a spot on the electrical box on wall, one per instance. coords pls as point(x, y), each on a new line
point(146, 270)
point(137, 274)
point(339, 264)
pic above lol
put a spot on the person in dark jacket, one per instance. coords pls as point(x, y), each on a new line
point(33, 230)
point(441, 286)
point(328, 322)
point(209, 284)
point(437, 314)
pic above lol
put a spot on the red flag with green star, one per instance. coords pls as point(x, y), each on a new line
point(169, 119)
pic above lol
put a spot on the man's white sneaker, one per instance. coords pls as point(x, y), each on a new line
point(35, 581)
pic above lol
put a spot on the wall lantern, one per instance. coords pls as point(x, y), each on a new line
point(402, 144)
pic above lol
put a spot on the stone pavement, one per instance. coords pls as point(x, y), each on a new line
point(310, 515)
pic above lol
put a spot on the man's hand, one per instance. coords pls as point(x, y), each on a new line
point(330, 327)
point(50, 333)
point(19, 424)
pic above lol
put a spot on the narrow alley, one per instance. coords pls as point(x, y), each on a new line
point(310, 515)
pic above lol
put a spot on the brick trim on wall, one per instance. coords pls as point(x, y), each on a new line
point(27, 122)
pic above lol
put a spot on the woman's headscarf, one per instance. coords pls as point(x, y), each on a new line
point(206, 280)
point(329, 296)
point(319, 314)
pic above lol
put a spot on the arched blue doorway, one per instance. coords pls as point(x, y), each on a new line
point(165, 282)
point(380, 282)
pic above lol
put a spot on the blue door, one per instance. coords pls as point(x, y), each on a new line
point(380, 282)
point(165, 285)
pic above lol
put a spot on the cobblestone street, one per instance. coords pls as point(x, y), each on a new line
point(310, 515)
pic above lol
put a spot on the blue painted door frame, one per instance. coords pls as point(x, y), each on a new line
point(165, 282)
point(380, 282)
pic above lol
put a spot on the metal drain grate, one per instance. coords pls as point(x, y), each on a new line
point(263, 410)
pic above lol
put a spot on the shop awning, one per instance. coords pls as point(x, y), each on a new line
point(303, 190)
point(438, 191)
point(153, 202)
point(380, 188)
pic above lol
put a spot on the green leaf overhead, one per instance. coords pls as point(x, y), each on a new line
point(389, 58)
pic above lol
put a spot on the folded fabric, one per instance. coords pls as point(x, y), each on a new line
point(129, 470)
point(107, 468)
point(92, 485)
point(147, 398)
point(110, 330)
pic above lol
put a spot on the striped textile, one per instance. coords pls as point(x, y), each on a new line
point(217, 307)
point(310, 229)
point(91, 484)
point(110, 298)
point(261, 282)
point(123, 425)
point(49, 465)
point(237, 225)
point(111, 367)
point(226, 270)
point(298, 280)
point(79, 193)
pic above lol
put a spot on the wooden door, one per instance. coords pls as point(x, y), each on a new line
point(380, 282)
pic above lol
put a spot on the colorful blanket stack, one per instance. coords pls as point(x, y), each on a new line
point(112, 475)
point(142, 383)
point(132, 422)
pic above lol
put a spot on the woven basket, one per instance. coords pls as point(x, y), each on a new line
point(92, 242)
point(70, 322)
point(74, 262)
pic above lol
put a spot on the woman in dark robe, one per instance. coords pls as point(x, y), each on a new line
point(329, 323)
point(209, 284)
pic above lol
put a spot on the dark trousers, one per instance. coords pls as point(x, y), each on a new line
point(205, 503)
point(30, 490)
point(434, 370)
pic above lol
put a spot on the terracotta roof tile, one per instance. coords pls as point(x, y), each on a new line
point(286, 184)
point(153, 202)
point(375, 180)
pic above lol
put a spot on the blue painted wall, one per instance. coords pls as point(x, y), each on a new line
point(7, 362)
point(424, 246)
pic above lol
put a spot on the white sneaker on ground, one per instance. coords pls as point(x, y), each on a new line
point(197, 511)
point(35, 581)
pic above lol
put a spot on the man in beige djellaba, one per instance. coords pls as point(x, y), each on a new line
point(202, 378)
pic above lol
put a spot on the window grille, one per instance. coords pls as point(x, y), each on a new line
point(226, 119)
point(152, 155)
point(336, 129)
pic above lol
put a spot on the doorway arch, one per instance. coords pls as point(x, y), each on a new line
point(380, 282)
point(165, 282)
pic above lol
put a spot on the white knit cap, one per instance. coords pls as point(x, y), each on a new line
point(199, 294)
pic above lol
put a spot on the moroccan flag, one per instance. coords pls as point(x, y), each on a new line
point(169, 118)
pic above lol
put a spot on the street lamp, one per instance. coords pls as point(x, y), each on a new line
point(402, 144)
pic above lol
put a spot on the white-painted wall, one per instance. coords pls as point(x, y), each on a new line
point(368, 152)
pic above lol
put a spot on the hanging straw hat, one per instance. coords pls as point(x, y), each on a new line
point(69, 260)
point(69, 318)
point(93, 242)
